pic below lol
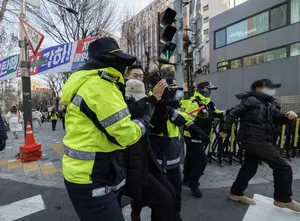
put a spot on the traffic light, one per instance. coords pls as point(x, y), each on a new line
point(166, 33)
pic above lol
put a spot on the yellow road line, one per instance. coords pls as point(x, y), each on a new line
point(3, 162)
point(29, 167)
point(14, 164)
point(48, 169)
point(59, 148)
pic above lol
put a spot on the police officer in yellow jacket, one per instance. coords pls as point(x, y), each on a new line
point(98, 130)
point(196, 161)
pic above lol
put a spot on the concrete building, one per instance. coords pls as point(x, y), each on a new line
point(257, 39)
point(139, 33)
point(200, 13)
point(209, 9)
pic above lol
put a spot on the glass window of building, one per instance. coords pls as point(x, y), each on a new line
point(295, 11)
point(206, 20)
point(223, 66)
point(223, 63)
point(248, 28)
point(222, 69)
point(278, 16)
point(220, 38)
point(238, 63)
point(265, 57)
point(205, 8)
point(295, 49)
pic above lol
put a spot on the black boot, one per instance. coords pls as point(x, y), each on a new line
point(135, 217)
point(196, 192)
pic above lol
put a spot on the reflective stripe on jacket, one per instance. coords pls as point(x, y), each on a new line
point(89, 155)
point(167, 144)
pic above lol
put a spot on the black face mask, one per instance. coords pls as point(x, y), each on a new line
point(113, 61)
point(205, 93)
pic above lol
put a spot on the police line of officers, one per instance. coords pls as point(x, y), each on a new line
point(121, 142)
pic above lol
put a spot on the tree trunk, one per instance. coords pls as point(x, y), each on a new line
point(2, 9)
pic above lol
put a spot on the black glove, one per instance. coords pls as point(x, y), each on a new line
point(196, 132)
point(174, 104)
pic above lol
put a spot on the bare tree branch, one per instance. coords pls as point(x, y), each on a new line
point(54, 82)
point(63, 27)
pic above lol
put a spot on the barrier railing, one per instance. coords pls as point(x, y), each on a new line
point(229, 150)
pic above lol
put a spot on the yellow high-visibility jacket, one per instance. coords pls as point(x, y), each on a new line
point(94, 100)
point(202, 118)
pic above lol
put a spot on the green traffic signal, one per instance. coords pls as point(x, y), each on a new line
point(169, 50)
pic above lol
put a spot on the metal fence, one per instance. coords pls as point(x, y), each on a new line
point(228, 150)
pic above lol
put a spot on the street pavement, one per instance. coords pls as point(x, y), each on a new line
point(35, 191)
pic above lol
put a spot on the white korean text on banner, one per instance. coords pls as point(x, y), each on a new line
point(61, 58)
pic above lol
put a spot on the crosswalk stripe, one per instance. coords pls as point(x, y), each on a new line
point(264, 210)
point(19, 209)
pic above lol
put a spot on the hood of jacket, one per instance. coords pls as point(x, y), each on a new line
point(78, 78)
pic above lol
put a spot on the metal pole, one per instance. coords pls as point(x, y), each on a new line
point(179, 42)
point(25, 70)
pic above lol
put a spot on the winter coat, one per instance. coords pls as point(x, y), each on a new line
point(140, 157)
point(15, 121)
point(3, 135)
point(258, 118)
point(2, 129)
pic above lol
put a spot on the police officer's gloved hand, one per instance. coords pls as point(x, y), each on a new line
point(174, 104)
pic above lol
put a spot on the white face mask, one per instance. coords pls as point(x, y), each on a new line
point(179, 95)
point(270, 92)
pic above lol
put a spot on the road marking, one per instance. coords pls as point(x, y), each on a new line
point(264, 210)
point(8, 147)
point(22, 208)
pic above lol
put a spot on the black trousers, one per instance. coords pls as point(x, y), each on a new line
point(53, 124)
point(63, 123)
point(195, 162)
point(174, 177)
point(87, 207)
point(282, 171)
point(160, 196)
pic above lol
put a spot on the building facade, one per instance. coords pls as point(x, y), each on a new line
point(201, 11)
point(257, 39)
point(139, 33)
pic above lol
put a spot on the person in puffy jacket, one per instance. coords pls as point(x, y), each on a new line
point(146, 184)
point(258, 116)
point(3, 135)
point(15, 119)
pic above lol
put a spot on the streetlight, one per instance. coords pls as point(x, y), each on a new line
point(25, 65)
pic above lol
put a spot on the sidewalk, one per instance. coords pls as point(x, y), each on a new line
point(47, 172)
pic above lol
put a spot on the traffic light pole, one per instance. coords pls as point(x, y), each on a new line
point(25, 70)
point(179, 42)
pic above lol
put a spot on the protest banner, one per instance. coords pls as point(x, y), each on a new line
point(61, 58)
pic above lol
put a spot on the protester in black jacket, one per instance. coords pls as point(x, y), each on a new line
point(145, 182)
point(3, 135)
point(258, 115)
